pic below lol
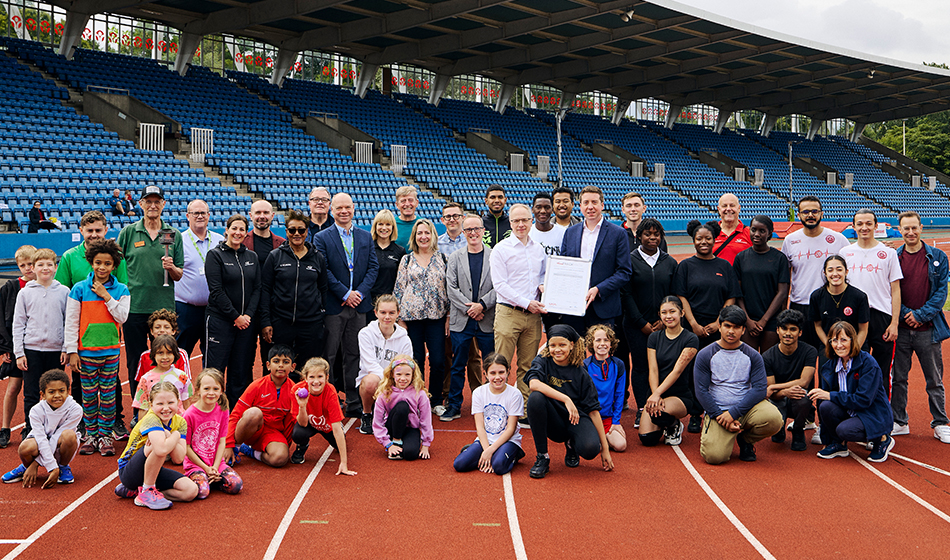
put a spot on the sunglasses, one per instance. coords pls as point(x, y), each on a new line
point(296, 230)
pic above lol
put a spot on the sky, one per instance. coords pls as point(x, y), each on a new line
point(908, 30)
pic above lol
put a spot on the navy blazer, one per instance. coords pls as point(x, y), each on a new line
point(365, 267)
point(611, 267)
point(864, 394)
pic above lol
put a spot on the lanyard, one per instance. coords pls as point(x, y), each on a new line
point(195, 243)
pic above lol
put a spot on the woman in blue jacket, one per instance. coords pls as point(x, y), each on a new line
point(853, 405)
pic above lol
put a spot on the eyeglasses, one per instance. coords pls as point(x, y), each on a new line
point(320, 199)
point(296, 230)
point(521, 221)
point(198, 214)
point(809, 212)
point(470, 230)
point(452, 217)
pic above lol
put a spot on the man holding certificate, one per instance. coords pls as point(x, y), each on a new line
point(604, 245)
point(517, 270)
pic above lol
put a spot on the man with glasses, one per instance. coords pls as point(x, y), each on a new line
point(320, 219)
point(191, 292)
point(144, 254)
point(452, 239)
point(807, 250)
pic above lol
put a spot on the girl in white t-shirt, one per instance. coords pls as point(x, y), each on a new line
point(496, 407)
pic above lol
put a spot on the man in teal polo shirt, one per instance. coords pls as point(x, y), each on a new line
point(147, 264)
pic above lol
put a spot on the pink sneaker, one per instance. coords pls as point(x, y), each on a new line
point(152, 499)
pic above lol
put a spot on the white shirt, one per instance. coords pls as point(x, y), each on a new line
point(517, 269)
point(550, 240)
point(497, 409)
point(872, 271)
point(376, 351)
point(192, 288)
point(650, 259)
point(589, 240)
point(807, 255)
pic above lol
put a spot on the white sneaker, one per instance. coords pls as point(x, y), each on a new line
point(438, 410)
point(942, 433)
point(811, 426)
point(899, 430)
point(815, 438)
point(674, 434)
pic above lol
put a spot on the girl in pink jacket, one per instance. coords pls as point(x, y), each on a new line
point(402, 418)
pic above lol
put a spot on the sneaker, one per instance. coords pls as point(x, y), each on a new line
point(81, 429)
point(942, 433)
point(246, 450)
point(523, 423)
point(299, 452)
point(66, 475)
point(833, 450)
point(571, 458)
point(636, 421)
point(881, 449)
point(695, 424)
point(119, 431)
point(4, 437)
point(438, 410)
point(674, 434)
point(366, 423)
point(16, 475)
point(541, 467)
point(106, 447)
point(24, 432)
point(123, 492)
point(899, 430)
point(451, 413)
point(816, 438)
point(810, 426)
point(798, 441)
point(779, 437)
point(746, 450)
point(88, 446)
point(151, 498)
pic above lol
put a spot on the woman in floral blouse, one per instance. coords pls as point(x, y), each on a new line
point(424, 304)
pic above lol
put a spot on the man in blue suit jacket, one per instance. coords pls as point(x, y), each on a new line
point(605, 245)
point(351, 273)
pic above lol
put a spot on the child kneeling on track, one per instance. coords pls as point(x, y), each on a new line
point(52, 441)
point(402, 417)
point(563, 404)
point(316, 408)
point(380, 342)
point(158, 435)
point(207, 431)
point(609, 376)
point(261, 423)
point(496, 407)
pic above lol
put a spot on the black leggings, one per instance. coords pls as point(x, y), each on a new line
point(549, 419)
point(302, 434)
point(661, 421)
point(397, 424)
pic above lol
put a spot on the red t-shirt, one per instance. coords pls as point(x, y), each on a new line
point(323, 409)
point(739, 243)
point(274, 404)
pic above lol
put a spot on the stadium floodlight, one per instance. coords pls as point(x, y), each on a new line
point(871, 74)
point(627, 15)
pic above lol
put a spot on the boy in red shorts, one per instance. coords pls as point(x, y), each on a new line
point(261, 423)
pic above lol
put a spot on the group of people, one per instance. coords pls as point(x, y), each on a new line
point(366, 313)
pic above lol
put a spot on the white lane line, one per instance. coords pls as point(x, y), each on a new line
point(759, 547)
point(59, 517)
point(513, 524)
point(298, 499)
point(924, 465)
point(901, 489)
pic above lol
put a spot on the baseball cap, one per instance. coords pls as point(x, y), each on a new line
point(152, 189)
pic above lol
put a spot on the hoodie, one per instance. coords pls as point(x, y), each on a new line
point(39, 318)
point(47, 424)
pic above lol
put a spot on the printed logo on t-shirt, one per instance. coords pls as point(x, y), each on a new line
point(320, 424)
point(496, 418)
point(385, 354)
point(881, 255)
point(818, 254)
point(847, 311)
point(829, 238)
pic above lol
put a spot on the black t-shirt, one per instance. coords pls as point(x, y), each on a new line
point(388, 259)
point(851, 305)
point(475, 261)
point(706, 285)
point(262, 246)
point(668, 353)
point(787, 368)
point(759, 276)
point(573, 381)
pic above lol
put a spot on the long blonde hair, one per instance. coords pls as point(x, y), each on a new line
point(385, 388)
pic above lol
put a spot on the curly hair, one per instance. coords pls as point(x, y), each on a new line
point(104, 247)
point(162, 315)
point(576, 357)
point(611, 336)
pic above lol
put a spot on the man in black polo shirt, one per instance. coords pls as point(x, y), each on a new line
point(790, 368)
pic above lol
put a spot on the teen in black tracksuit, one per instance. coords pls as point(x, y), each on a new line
point(294, 289)
point(234, 286)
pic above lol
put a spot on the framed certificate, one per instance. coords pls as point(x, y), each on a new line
point(566, 281)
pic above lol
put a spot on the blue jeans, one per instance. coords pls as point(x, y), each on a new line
point(502, 460)
point(461, 344)
point(429, 334)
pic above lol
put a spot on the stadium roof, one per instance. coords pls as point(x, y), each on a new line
point(666, 50)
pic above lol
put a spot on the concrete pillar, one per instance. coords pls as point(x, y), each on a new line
point(72, 33)
point(768, 123)
point(504, 96)
point(672, 115)
point(723, 119)
point(858, 129)
point(813, 129)
point(186, 51)
point(620, 110)
point(365, 79)
point(285, 60)
point(439, 86)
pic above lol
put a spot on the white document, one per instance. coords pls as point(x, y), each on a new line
point(566, 282)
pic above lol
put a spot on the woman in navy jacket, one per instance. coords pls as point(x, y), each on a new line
point(852, 403)
point(234, 287)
